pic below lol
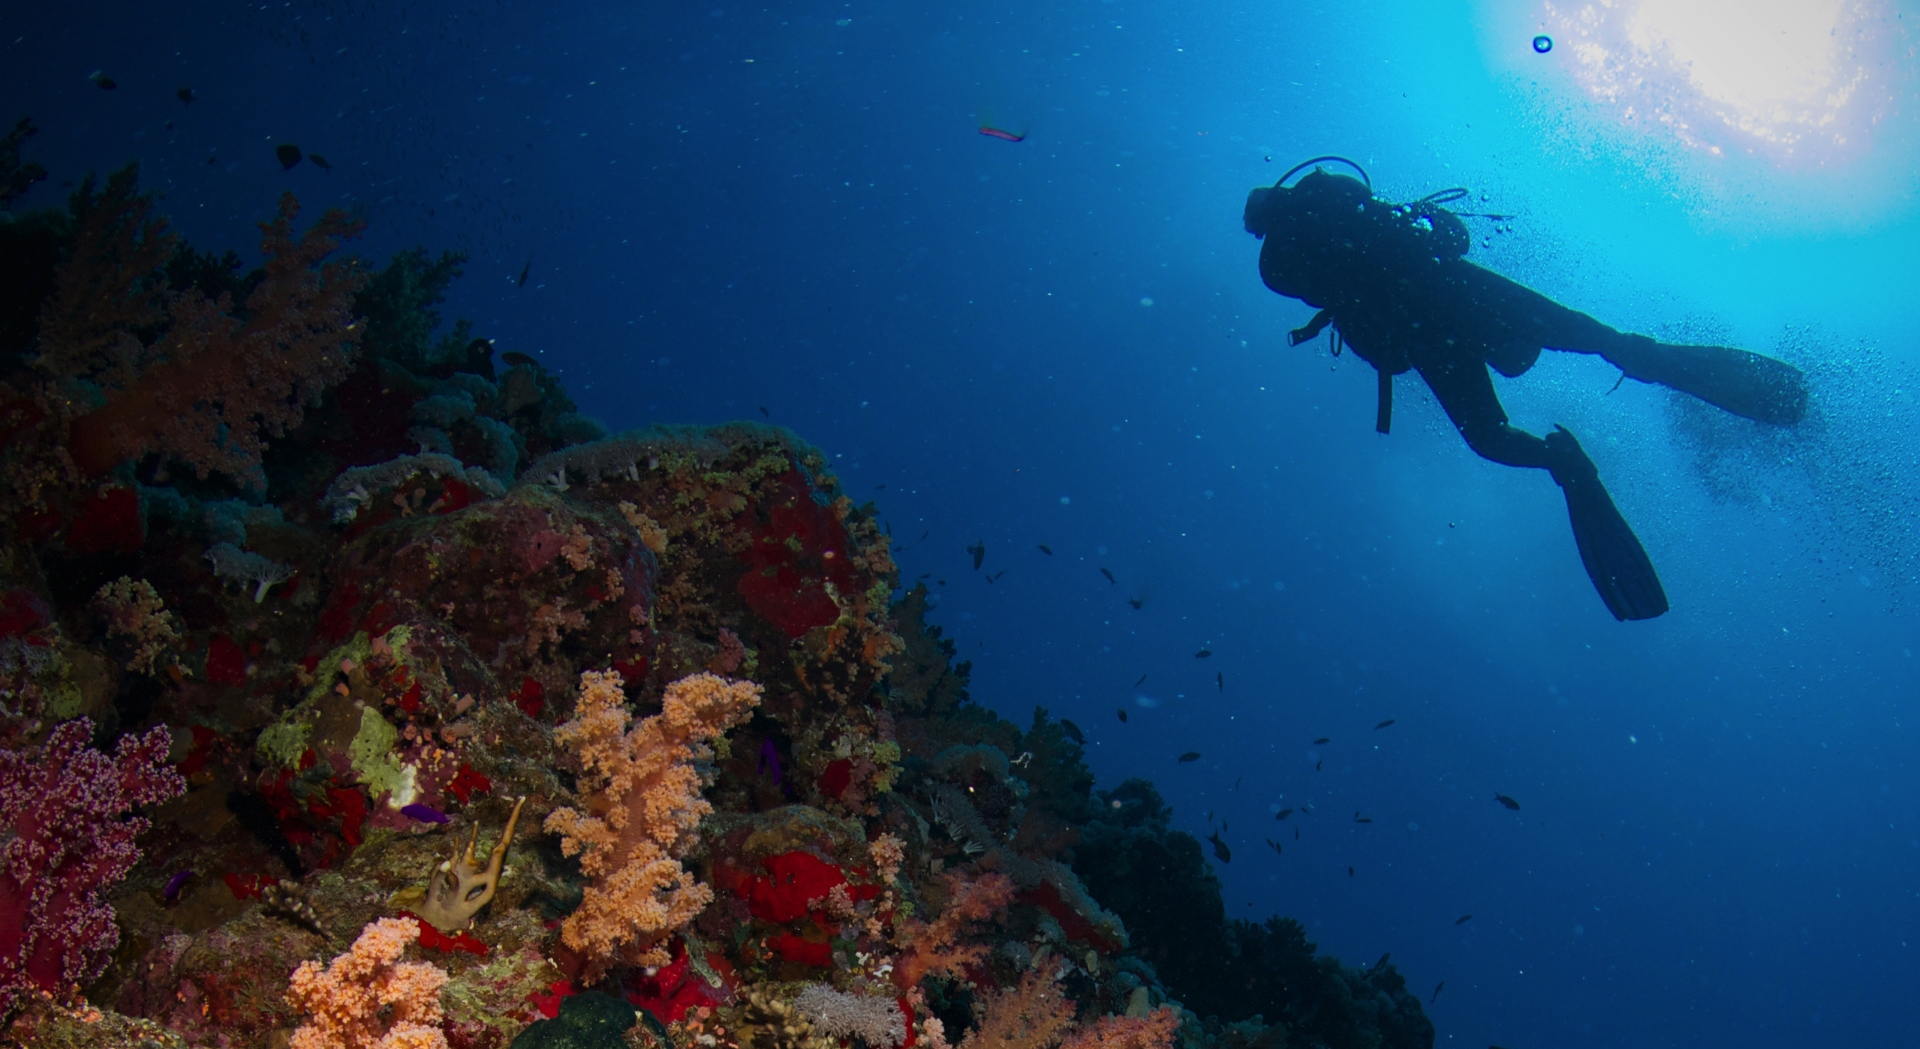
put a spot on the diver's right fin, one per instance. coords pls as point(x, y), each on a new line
point(1616, 562)
point(1746, 384)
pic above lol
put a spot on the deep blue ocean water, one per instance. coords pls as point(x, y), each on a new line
point(725, 211)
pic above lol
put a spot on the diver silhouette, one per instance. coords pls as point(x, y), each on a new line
point(1394, 282)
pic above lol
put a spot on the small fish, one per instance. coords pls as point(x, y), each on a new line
point(1323, 741)
point(979, 552)
point(1004, 136)
point(1383, 724)
point(1318, 765)
point(1463, 919)
point(1191, 755)
point(1508, 802)
point(764, 414)
point(424, 813)
point(521, 282)
point(1073, 731)
point(288, 154)
point(1205, 653)
point(994, 577)
point(184, 94)
point(320, 162)
point(1221, 680)
point(1349, 872)
point(102, 81)
point(1220, 848)
point(1275, 846)
point(1283, 814)
point(1136, 602)
point(1121, 713)
point(1437, 988)
point(1109, 576)
point(516, 359)
point(1357, 818)
point(1045, 549)
point(1296, 834)
point(174, 884)
point(1377, 966)
point(1142, 681)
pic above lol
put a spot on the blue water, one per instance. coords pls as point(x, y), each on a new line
point(727, 210)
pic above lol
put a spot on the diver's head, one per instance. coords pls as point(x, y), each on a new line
point(1317, 198)
point(1262, 214)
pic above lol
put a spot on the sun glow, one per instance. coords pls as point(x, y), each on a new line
point(1787, 77)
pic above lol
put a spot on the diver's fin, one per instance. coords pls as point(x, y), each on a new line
point(1746, 384)
point(1612, 554)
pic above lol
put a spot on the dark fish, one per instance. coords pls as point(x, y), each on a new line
point(1376, 966)
point(1191, 755)
point(1323, 741)
point(1283, 814)
point(102, 80)
point(184, 94)
point(1045, 549)
point(1121, 713)
point(424, 813)
point(1508, 802)
point(1220, 848)
point(994, 577)
point(979, 552)
point(479, 358)
point(1318, 765)
point(1296, 834)
point(1357, 818)
point(1142, 681)
point(1275, 846)
point(1349, 872)
point(1205, 653)
point(1136, 602)
point(1437, 988)
point(320, 162)
point(1383, 724)
point(764, 414)
point(1220, 678)
point(1073, 731)
point(515, 359)
point(1463, 919)
point(521, 282)
point(289, 155)
point(1109, 576)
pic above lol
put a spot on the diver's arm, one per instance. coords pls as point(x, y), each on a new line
point(1465, 391)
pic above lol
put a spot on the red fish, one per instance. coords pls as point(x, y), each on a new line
point(1004, 136)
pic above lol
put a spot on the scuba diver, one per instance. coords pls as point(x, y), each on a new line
point(1394, 282)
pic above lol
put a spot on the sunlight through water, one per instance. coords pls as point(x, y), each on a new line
point(1791, 79)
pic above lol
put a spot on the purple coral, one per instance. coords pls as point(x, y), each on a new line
point(67, 834)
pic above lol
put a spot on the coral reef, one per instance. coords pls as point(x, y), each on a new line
point(341, 635)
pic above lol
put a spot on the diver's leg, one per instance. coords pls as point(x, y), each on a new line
point(1612, 555)
point(1506, 313)
point(1465, 391)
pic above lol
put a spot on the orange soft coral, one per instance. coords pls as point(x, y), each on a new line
point(643, 806)
point(368, 998)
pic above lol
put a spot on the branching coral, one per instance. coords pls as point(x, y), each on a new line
point(217, 381)
point(368, 998)
point(643, 805)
